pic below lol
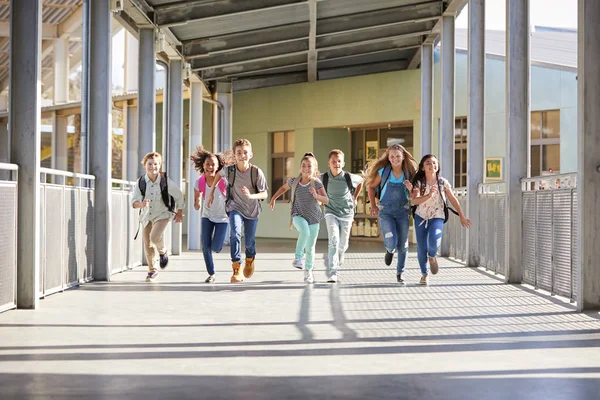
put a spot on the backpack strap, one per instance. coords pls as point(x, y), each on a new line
point(293, 195)
point(164, 192)
point(254, 176)
point(325, 180)
point(230, 181)
point(385, 176)
point(348, 178)
point(441, 187)
point(142, 185)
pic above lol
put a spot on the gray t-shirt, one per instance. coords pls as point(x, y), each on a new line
point(248, 208)
point(305, 205)
point(341, 202)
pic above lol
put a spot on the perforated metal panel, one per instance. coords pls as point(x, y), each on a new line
point(54, 239)
point(500, 237)
point(117, 222)
point(73, 239)
point(8, 244)
point(490, 230)
point(574, 245)
point(561, 219)
point(86, 251)
point(42, 240)
point(483, 216)
point(529, 238)
point(544, 239)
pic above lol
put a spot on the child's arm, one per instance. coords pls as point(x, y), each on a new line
point(284, 188)
point(196, 199)
point(371, 193)
point(357, 190)
point(464, 221)
point(417, 199)
point(211, 195)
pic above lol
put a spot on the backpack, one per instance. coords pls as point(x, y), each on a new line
point(385, 176)
point(347, 176)
point(231, 179)
point(446, 207)
point(293, 194)
point(164, 191)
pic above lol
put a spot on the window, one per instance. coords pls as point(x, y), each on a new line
point(460, 152)
point(545, 142)
point(282, 160)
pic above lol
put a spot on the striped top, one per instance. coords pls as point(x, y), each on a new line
point(305, 205)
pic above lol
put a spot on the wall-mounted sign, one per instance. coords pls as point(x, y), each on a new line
point(493, 169)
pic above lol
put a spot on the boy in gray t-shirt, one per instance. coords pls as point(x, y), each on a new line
point(246, 187)
point(339, 212)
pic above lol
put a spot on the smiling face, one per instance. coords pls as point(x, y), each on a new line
point(210, 166)
point(395, 157)
point(307, 167)
point(243, 155)
point(152, 166)
point(430, 165)
point(336, 163)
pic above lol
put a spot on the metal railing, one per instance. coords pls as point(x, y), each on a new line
point(8, 235)
point(492, 226)
point(67, 230)
point(126, 251)
point(454, 232)
point(550, 233)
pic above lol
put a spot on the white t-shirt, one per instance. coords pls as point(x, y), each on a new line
point(216, 213)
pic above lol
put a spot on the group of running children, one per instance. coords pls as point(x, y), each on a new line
point(231, 195)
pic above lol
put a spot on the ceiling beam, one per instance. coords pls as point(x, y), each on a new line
point(377, 40)
point(286, 61)
point(312, 41)
point(268, 81)
point(271, 70)
point(367, 57)
point(250, 61)
point(415, 61)
point(364, 69)
point(49, 31)
point(376, 33)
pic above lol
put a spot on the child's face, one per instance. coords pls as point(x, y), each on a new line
point(243, 154)
point(307, 167)
point(152, 166)
point(395, 157)
point(210, 166)
point(336, 163)
point(431, 165)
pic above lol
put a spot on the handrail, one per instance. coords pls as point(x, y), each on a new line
point(123, 182)
point(9, 167)
point(67, 174)
point(491, 187)
point(545, 182)
point(460, 191)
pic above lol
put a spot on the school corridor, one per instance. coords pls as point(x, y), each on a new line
point(467, 335)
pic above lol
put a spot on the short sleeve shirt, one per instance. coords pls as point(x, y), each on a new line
point(433, 207)
point(216, 213)
point(248, 208)
point(341, 202)
point(305, 205)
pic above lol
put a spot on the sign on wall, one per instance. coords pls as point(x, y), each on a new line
point(493, 169)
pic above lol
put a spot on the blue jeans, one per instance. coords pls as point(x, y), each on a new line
point(236, 220)
point(307, 240)
point(213, 236)
point(394, 223)
point(338, 232)
point(429, 237)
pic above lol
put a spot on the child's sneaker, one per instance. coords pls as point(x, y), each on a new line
point(297, 263)
point(424, 280)
point(164, 260)
point(400, 277)
point(433, 265)
point(388, 258)
point(333, 278)
point(152, 276)
point(210, 279)
point(236, 277)
point(308, 276)
point(249, 267)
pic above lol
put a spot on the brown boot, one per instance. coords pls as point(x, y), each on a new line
point(236, 277)
point(249, 267)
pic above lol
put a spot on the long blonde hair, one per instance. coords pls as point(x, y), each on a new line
point(409, 164)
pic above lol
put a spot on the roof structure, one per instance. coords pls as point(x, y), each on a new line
point(263, 43)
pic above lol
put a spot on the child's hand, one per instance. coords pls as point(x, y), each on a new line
point(209, 200)
point(196, 205)
point(145, 203)
point(313, 192)
point(246, 192)
point(464, 221)
point(408, 185)
point(374, 210)
point(179, 216)
point(272, 203)
point(434, 191)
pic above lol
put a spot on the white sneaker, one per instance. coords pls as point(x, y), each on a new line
point(298, 263)
point(308, 276)
point(333, 278)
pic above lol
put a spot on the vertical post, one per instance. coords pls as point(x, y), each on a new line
point(25, 122)
point(61, 71)
point(132, 138)
point(446, 143)
point(194, 140)
point(175, 141)
point(588, 167)
point(224, 96)
point(85, 87)
point(100, 127)
point(426, 98)
point(132, 50)
point(4, 141)
point(60, 145)
point(476, 124)
point(146, 95)
point(517, 130)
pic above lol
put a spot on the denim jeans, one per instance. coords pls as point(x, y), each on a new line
point(307, 240)
point(394, 224)
point(338, 232)
point(429, 237)
point(213, 235)
point(236, 220)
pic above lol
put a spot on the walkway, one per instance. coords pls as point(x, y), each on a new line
point(466, 336)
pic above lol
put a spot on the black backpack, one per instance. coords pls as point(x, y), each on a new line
point(347, 177)
point(446, 207)
point(231, 179)
point(164, 191)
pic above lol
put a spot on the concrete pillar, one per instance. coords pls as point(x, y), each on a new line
point(25, 123)
point(225, 97)
point(132, 50)
point(517, 130)
point(175, 142)
point(146, 96)
point(476, 124)
point(588, 162)
point(60, 144)
point(100, 133)
point(195, 139)
point(61, 71)
point(446, 142)
point(426, 98)
point(131, 147)
point(4, 141)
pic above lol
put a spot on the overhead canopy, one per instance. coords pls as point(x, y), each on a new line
point(262, 43)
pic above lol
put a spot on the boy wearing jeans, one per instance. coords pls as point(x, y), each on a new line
point(243, 206)
point(339, 212)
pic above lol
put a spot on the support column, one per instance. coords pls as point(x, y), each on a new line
point(132, 54)
point(146, 96)
point(175, 141)
point(588, 163)
point(446, 142)
point(132, 138)
point(61, 71)
point(475, 124)
point(60, 144)
point(194, 140)
point(225, 97)
point(4, 141)
point(517, 130)
point(100, 133)
point(426, 98)
point(25, 124)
